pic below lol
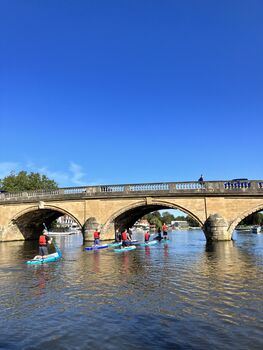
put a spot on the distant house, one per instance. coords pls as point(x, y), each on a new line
point(179, 225)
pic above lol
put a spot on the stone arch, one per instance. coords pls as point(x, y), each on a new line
point(29, 222)
point(145, 205)
point(243, 216)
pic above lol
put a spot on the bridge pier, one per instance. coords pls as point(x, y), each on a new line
point(216, 229)
point(107, 232)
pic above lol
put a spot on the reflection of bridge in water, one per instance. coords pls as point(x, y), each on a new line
point(218, 206)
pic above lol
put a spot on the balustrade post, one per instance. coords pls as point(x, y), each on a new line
point(172, 187)
point(253, 185)
point(126, 189)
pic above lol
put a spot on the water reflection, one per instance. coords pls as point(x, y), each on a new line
point(192, 293)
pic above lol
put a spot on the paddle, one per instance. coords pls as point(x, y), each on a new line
point(54, 243)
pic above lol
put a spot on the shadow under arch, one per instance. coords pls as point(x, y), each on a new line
point(234, 224)
point(127, 216)
point(30, 221)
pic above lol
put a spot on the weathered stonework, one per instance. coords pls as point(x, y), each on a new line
point(216, 229)
point(218, 207)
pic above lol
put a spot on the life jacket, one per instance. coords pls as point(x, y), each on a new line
point(164, 228)
point(42, 240)
point(147, 236)
point(96, 235)
point(124, 236)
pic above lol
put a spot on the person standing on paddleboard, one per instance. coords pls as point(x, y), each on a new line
point(125, 239)
point(96, 236)
point(165, 229)
point(44, 239)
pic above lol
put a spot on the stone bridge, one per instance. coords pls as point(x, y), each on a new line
point(218, 206)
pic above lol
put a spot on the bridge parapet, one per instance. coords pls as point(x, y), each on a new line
point(253, 187)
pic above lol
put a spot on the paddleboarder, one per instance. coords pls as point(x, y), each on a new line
point(165, 229)
point(125, 238)
point(44, 239)
point(146, 237)
point(96, 236)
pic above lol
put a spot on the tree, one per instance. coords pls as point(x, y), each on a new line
point(192, 222)
point(167, 217)
point(24, 181)
point(253, 219)
point(154, 218)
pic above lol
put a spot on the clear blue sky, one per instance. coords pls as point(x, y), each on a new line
point(131, 91)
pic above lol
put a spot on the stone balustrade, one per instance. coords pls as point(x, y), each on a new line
point(205, 188)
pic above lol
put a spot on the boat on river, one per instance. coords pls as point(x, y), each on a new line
point(256, 229)
point(66, 233)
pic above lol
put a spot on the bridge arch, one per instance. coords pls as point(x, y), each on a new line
point(241, 217)
point(128, 215)
point(29, 222)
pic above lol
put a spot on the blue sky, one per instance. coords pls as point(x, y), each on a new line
point(122, 91)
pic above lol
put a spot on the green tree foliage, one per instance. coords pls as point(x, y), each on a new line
point(253, 219)
point(154, 218)
point(167, 217)
point(192, 222)
point(24, 181)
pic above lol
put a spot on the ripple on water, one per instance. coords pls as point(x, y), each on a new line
point(179, 295)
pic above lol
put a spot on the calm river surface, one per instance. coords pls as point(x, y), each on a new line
point(180, 295)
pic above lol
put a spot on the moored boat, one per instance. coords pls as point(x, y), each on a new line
point(256, 229)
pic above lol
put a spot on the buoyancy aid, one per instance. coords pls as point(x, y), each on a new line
point(124, 236)
point(42, 240)
point(96, 235)
point(147, 236)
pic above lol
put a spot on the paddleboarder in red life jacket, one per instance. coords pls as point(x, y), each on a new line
point(44, 239)
point(147, 237)
point(165, 229)
point(96, 236)
point(125, 238)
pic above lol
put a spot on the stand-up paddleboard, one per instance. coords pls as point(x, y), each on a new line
point(124, 249)
point(145, 244)
point(165, 240)
point(49, 258)
point(115, 244)
point(134, 241)
point(95, 247)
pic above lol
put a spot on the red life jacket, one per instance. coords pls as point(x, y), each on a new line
point(96, 235)
point(147, 236)
point(124, 236)
point(42, 240)
point(164, 228)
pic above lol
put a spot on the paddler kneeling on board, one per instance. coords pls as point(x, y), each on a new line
point(146, 237)
point(125, 239)
point(44, 239)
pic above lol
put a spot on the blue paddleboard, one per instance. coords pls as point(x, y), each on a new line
point(116, 244)
point(122, 250)
point(148, 244)
point(51, 257)
point(95, 247)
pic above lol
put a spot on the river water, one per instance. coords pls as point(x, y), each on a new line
point(179, 295)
